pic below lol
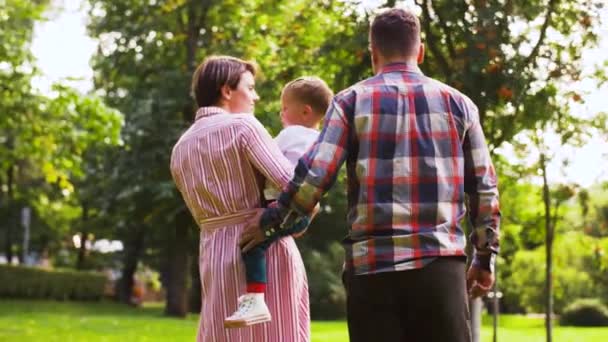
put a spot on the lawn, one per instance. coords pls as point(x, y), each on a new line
point(65, 322)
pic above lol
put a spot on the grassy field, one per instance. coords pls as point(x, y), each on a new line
point(65, 322)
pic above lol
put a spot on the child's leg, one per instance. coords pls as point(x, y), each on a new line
point(252, 308)
point(255, 268)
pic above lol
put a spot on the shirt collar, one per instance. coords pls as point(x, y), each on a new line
point(401, 66)
point(208, 111)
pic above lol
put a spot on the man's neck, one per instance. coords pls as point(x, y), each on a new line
point(384, 62)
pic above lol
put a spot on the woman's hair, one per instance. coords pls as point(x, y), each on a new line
point(214, 73)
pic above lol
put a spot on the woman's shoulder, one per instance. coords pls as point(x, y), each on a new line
point(247, 121)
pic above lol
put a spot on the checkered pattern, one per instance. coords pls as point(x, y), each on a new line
point(413, 148)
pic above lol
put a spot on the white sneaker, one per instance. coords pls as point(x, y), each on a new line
point(252, 310)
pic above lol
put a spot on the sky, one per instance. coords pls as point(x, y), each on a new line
point(63, 50)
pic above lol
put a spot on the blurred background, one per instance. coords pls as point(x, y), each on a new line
point(96, 243)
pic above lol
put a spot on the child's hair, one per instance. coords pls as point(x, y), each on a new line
point(312, 91)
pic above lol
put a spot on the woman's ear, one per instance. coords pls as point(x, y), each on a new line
point(226, 93)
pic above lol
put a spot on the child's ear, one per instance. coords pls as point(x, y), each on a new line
point(307, 110)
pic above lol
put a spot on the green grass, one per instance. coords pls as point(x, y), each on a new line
point(106, 321)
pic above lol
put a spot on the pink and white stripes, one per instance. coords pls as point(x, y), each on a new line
point(219, 165)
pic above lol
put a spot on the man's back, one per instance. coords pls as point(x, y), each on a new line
point(413, 147)
point(406, 170)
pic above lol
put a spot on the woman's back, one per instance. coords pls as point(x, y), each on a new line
point(217, 165)
point(216, 161)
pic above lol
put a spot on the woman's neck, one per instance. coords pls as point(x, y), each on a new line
point(224, 106)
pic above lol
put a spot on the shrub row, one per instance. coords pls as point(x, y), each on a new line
point(35, 283)
point(585, 313)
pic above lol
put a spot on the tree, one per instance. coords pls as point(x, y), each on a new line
point(145, 62)
point(144, 69)
point(17, 18)
point(43, 139)
point(508, 55)
point(570, 130)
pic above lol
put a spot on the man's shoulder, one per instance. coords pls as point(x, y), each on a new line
point(378, 81)
point(349, 95)
point(364, 85)
point(453, 93)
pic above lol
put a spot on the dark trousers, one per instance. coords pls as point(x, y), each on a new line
point(255, 263)
point(423, 305)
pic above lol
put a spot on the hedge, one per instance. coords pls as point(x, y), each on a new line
point(585, 313)
point(36, 283)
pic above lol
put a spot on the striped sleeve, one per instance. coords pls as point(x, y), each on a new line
point(262, 151)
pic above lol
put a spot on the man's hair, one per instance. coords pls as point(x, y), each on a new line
point(214, 73)
point(312, 91)
point(395, 33)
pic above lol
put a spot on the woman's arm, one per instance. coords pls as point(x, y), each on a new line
point(262, 151)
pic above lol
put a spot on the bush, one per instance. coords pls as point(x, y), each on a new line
point(35, 283)
point(327, 295)
point(585, 313)
point(571, 279)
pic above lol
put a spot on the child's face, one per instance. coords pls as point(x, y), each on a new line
point(292, 111)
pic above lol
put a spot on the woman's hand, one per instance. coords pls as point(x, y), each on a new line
point(252, 235)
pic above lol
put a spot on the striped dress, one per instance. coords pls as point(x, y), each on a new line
point(219, 166)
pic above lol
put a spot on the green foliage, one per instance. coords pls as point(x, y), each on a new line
point(48, 144)
point(585, 313)
point(327, 295)
point(64, 153)
point(571, 274)
point(508, 57)
point(33, 283)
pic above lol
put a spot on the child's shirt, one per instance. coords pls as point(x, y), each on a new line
point(293, 141)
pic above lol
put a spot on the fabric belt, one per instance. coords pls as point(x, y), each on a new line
point(216, 222)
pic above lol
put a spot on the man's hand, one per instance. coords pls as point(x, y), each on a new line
point(479, 282)
point(252, 235)
point(314, 213)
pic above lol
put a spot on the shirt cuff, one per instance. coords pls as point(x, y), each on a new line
point(484, 261)
point(272, 218)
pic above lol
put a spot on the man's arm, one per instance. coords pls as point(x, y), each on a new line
point(314, 175)
point(480, 184)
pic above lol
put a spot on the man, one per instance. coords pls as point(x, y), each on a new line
point(413, 148)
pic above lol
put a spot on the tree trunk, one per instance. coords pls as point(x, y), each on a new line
point(124, 286)
point(11, 215)
point(195, 290)
point(179, 268)
point(83, 237)
point(548, 250)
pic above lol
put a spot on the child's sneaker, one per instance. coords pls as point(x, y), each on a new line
point(252, 310)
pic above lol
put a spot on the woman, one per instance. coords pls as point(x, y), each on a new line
point(219, 165)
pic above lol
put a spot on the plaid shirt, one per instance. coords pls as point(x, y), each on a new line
point(413, 147)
